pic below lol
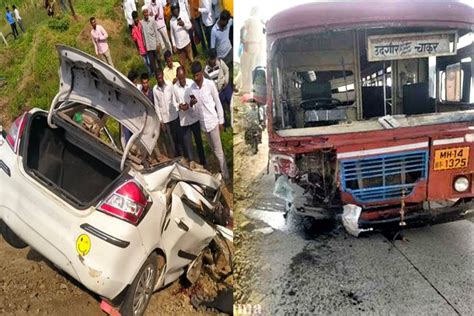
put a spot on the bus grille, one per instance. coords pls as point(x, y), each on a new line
point(383, 177)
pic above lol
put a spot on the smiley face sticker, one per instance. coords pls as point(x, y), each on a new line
point(83, 244)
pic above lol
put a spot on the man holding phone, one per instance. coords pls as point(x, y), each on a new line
point(179, 27)
point(205, 97)
point(188, 116)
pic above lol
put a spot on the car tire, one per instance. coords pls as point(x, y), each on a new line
point(11, 238)
point(139, 293)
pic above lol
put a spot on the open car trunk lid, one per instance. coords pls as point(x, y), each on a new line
point(87, 80)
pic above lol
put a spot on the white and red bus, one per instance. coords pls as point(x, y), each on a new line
point(372, 104)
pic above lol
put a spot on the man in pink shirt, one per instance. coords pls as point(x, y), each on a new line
point(156, 11)
point(99, 38)
point(137, 37)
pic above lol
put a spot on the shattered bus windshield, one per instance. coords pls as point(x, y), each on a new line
point(370, 79)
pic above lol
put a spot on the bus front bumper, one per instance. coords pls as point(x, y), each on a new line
point(418, 218)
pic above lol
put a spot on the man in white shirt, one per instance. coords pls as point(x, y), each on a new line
point(167, 113)
point(156, 11)
point(184, 7)
point(208, 18)
point(186, 10)
point(128, 7)
point(18, 18)
point(220, 38)
point(217, 71)
point(205, 98)
point(188, 116)
point(179, 27)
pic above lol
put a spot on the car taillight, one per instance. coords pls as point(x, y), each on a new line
point(127, 202)
point(15, 132)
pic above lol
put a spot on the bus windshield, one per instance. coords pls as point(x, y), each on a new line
point(367, 79)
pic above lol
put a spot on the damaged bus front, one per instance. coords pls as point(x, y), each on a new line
point(371, 111)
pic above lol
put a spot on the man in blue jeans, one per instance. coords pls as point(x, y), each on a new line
point(11, 21)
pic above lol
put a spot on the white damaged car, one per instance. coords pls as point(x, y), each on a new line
point(118, 224)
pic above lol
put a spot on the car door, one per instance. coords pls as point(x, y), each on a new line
point(185, 233)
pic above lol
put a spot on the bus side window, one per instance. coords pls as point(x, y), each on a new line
point(454, 82)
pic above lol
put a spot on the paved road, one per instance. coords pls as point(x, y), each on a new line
point(310, 269)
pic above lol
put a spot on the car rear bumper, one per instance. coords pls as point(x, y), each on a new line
point(112, 263)
point(107, 269)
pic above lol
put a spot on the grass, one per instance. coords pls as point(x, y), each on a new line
point(30, 64)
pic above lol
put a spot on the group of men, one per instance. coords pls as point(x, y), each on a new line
point(14, 20)
point(184, 108)
point(179, 26)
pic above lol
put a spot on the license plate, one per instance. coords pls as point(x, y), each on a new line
point(451, 158)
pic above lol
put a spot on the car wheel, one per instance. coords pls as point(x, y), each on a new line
point(11, 238)
point(139, 293)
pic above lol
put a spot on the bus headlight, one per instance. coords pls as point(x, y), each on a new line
point(461, 184)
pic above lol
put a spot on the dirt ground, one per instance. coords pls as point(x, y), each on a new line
point(248, 168)
point(30, 284)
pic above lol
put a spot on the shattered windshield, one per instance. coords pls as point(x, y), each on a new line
point(333, 78)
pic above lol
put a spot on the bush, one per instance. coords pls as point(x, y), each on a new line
point(60, 25)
